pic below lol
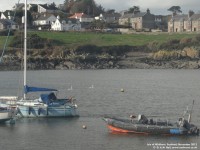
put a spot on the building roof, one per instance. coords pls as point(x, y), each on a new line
point(117, 15)
point(7, 22)
point(48, 7)
point(195, 17)
point(44, 16)
point(79, 15)
point(185, 17)
point(180, 17)
point(132, 15)
point(8, 12)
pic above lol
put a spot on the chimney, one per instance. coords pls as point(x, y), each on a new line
point(190, 13)
point(148, 11)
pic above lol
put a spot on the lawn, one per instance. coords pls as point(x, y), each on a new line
point(74, 39)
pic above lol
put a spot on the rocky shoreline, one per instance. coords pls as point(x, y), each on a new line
point(129, 60)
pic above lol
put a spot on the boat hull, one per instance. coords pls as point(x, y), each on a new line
point(127, 126)
point(49, 111)
point(5, 116)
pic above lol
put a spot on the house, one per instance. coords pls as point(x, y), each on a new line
point(18, 6)
point(66, 25)
point(7, 24)
point(138, 21)
point(44, 21)
point(46, 8)
point(161, 22)
point(184, 22)
point(83, 18)
point(7, 15)
point(108, 17)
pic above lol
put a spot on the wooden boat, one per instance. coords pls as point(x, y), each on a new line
point(143, 125)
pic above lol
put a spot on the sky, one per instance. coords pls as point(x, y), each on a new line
point(157, 7)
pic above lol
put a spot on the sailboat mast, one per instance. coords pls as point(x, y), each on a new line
point(25, 45)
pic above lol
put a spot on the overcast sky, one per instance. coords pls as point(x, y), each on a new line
point(156, 6)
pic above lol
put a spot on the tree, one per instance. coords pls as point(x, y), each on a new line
point(110, 11)
point(88, 7)
point(175, 10)
point(134, 9)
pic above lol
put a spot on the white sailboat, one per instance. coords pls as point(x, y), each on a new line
point(47, 105)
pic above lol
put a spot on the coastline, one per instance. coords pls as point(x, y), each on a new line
point(130, 60)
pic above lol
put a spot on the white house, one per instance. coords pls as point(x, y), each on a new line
point(44, 19)
point(6, 15)
point(66, 25)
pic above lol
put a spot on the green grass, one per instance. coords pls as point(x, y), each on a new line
point(71, 39)
point(74, 39)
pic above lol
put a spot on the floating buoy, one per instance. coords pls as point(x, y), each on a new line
point(122, 90)
point(84, 127)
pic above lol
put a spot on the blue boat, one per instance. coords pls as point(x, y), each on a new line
point(47, 105)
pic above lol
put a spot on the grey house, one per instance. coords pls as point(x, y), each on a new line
point(139, 20)
point(7, 24)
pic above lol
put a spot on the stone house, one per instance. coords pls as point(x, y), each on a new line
point(138, 21)
point(66, 25)
point(184, 23)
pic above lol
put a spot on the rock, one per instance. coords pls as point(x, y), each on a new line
point(193, 65)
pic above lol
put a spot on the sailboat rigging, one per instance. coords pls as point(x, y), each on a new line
point(47, 105)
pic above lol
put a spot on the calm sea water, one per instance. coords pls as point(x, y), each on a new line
point(164, 93)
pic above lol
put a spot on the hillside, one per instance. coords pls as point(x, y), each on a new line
point(76, 50)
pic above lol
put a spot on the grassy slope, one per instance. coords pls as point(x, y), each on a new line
point(74, 39)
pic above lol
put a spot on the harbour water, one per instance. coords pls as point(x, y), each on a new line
point(162, 93)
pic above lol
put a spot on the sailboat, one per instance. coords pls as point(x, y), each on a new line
point(47, 105)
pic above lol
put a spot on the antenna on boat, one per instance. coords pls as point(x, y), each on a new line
point(190, 114)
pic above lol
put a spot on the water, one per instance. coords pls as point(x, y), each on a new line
point(164, 93)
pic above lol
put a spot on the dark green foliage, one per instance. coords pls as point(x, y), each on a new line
point(171, 45)
point(92, 49)
point(88, 7)
point(175, 9)
point(5, 32)
point(33, 41)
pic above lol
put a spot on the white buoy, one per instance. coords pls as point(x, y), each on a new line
point(84, 127)
point(70, 88)
point(91, 87)
point(122, 90)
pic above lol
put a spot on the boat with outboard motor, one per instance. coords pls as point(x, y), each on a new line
point(143, 125)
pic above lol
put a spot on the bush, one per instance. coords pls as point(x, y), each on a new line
point(5, 32)
point(33, 41)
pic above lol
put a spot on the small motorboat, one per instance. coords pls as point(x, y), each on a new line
point(143, 125)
